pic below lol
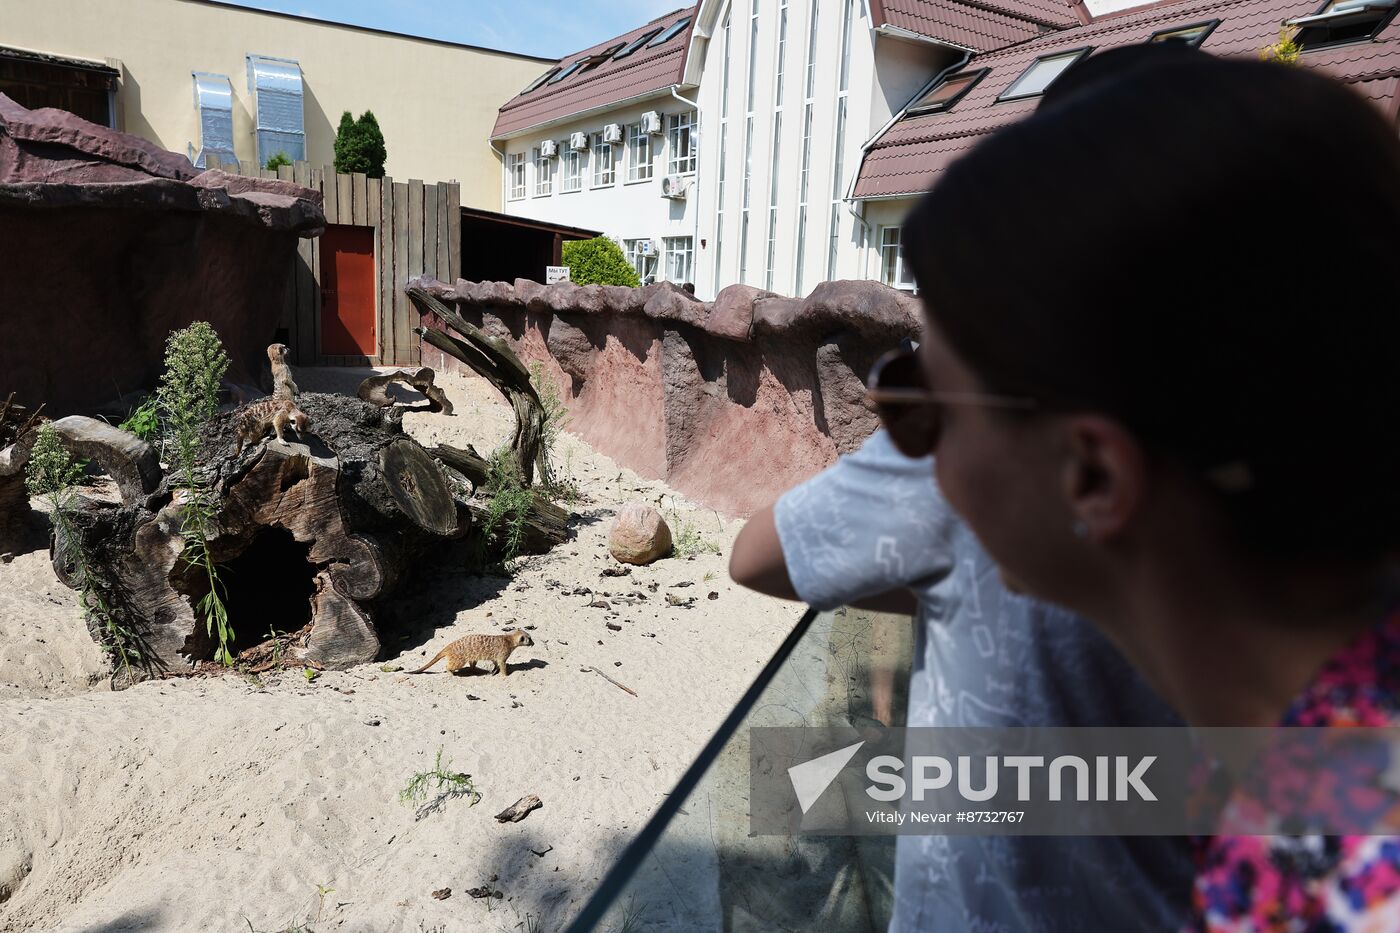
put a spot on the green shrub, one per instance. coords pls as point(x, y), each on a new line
point(144, 420)
point(359, 145)
point(598, 261)
point(195, 363)
point(509, 505)
point(277, 161)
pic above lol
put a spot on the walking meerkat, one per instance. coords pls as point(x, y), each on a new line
point(252, 422)
point(467, 650)
point(282, 385)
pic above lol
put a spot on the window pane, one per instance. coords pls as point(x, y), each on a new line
point(1040, 75)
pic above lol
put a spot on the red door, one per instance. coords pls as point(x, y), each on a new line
point(347, 292)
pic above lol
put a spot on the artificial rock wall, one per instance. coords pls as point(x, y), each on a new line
point(731, 402)
point(108, 243)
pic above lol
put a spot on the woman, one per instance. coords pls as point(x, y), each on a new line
point(1159, 380)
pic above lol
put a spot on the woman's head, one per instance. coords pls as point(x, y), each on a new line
point(1185, 260)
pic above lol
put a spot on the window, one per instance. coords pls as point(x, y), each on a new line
point(947, 93)
point(1342, 21)
point(843, 89)
point(597, 58)
point(669, 33)
point(805, 174)
point(639, 166)
point(748, 146)
point(636, 43)
point(1041, 74)
point(723, 155)
point(642, 255)
point(893, 272)
point(775, 157)
point(540, 80)
point(678, 259)
point(567, 70)
point(682, 143)
point(604, 169)
point(515, 174)
point(1192, 35)
point(573, 168)
point(544, 175)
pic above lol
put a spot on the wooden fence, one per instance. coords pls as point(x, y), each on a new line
point(418, 231)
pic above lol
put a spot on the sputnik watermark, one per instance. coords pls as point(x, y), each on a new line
point(1074, 781)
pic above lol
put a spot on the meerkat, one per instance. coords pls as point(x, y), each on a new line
point(282, 385)
point(251, 423)
point(467, 650)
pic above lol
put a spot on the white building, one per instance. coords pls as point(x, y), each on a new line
point(606, 139)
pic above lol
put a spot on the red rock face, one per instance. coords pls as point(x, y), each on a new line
point(109, 243)
point(730, 403)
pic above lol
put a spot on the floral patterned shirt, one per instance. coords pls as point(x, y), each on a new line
point(1313, 884)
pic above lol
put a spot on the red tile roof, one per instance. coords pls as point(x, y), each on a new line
point(907, 158)
point(979, 25)
point(647, 70)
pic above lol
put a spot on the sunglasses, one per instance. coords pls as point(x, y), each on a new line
point(912, 413)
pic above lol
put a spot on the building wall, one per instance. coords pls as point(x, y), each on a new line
point(435, 102)
point(622, 210)
point(883, 74)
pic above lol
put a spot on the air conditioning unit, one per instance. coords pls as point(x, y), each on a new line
point(673, 186)
point(651, 123)
point(578, 141)
point(549, 149)
point(646, 248)
point(612, 133)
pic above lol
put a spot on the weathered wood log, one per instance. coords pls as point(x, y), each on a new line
point(308, 536)
point(495, 361)
point(375, 390)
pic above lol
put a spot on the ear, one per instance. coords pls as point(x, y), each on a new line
point(1105, 476)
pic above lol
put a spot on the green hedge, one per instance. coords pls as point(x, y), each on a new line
point(598, 261)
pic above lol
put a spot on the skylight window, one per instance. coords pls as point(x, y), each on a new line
point(947, 93)
point(597, 58)
point(540, 80)
point(1341, 21)
point(636, 43)
point(568, 70)
point(670, 33)
point(1041, 74)
point(1192, 35)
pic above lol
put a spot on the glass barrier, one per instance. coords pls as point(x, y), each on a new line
point(695, 867)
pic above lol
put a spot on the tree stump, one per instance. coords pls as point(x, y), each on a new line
point(308, 536)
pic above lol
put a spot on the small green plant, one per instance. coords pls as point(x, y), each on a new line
point(144, 420)
point(310, 673)
point(51, 475)
point(631, 916)
point(445, 786)
point(509, 505)
point(277, 161)
point(359, 145)
point(195, 363)
point(686, 539)
point(1286, 50)
point(598, 261)
point(562, 488)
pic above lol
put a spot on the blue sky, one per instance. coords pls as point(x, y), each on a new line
point(549, 28)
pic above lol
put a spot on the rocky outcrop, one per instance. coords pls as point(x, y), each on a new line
point(110, 243)
point(730, 401)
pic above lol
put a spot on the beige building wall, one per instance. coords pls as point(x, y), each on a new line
point(436, 102)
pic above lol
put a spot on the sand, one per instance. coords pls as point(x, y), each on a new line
point(238, 802)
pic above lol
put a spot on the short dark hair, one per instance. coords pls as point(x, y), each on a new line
point(1200, 247)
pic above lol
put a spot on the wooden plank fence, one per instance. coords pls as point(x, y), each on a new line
point(418, 231)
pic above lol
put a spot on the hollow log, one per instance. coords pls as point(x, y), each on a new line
point(375, 390)
point(496, 362)
point(308, 535)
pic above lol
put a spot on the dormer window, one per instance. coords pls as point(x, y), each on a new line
point(669, 34)
point(637, 43)
point(568, 70)
point(1041, 74)
point(946, 93)
point(1192, 35)
point(1342, 21)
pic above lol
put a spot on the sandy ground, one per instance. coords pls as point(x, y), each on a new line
point(235, 803)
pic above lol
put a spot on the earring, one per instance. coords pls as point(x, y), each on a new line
point(1080, 529)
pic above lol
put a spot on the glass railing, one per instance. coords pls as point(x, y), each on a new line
point(695, 867)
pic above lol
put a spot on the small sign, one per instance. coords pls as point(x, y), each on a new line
point(554, 274)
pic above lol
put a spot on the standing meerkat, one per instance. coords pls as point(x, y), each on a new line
point(282, 385)
point(251, 423)
point(467, 650)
